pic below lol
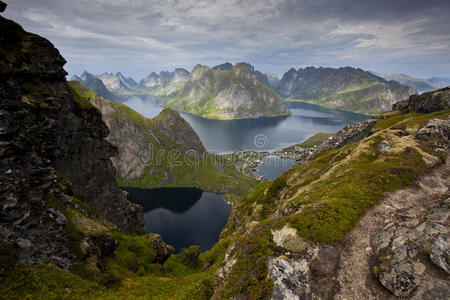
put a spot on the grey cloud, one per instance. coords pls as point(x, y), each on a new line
point(140, 36)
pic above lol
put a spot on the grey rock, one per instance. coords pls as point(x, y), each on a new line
point(401, 279)
point(425, 103)
point(290, 280)
point(54, 148)
point(440, 253)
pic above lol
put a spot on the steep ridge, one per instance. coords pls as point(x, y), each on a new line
point(224, 94)
point(176, 82)
point(54, 157)
point(343, 88)
point(163, 151)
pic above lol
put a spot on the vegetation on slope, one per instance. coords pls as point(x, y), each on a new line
point(323, 199)
point(173, 165)
point(343, 88)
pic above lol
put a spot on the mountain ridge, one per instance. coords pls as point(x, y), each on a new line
point(226, 94)
point(344, 88)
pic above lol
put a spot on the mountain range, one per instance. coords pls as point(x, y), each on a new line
point(342, 88)
point(346, 88)
point(421, 85)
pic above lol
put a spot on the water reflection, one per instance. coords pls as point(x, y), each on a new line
point(183, 216)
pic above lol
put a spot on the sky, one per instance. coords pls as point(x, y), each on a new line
point(137, 37)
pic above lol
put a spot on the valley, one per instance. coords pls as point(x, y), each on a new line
point(225, 182)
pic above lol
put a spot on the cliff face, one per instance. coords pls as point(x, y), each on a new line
point(53, 154)
point(227, 94)
point(343, 88)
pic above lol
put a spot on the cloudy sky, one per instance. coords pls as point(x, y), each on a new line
point(140, 36)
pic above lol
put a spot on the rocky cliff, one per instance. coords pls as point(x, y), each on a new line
point(227, 94)
point(163, 151)
point(53, 155)
point(343, 88)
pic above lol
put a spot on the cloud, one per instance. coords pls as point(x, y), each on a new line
point(140, 36)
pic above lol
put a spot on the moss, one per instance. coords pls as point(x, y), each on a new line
point(134, 251)
point(8, 256)
point(79, 99)
point(44, 282)
point(189, 256)
point(248, 276)
point(36, 89)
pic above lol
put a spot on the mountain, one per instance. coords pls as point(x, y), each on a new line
point(60, 199)
point(251, 69)
point(94, 84)
point(166, 83)
point(116, 82)
point(223, 94)
point(343, 88)
point(273, 80)
point(137, 137)
point(439, 82)
point(224, 67)
point(421, 85)
point(365, 216)
point(352, 216)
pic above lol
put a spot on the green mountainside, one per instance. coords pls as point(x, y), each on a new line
point(163, 151)
point(343, 88)
point(226, 94)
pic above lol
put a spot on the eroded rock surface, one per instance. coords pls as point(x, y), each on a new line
point(53, 154)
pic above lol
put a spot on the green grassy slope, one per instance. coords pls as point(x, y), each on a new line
point(209, 172)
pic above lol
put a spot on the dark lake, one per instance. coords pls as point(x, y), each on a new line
point(262, 134)
point(183, 216)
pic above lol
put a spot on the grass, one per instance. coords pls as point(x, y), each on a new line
point(322, 199)
point(212, 172)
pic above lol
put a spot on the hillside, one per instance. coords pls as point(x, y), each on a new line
point(163, 151)
point(343, 88)
point(226, 94)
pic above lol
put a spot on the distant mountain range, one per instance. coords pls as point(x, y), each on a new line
point(342, 88)
point(94, 84)
point(421, 85)
point(345, 88)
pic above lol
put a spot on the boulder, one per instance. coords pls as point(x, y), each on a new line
point(401, 279)
point(425, 103)
point(2, 6)
point(163, 251)
point(440, 253)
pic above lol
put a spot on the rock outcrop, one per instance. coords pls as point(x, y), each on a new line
point(53, 154)
point(425, 103)
point(227, 94)
point(343, 88)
